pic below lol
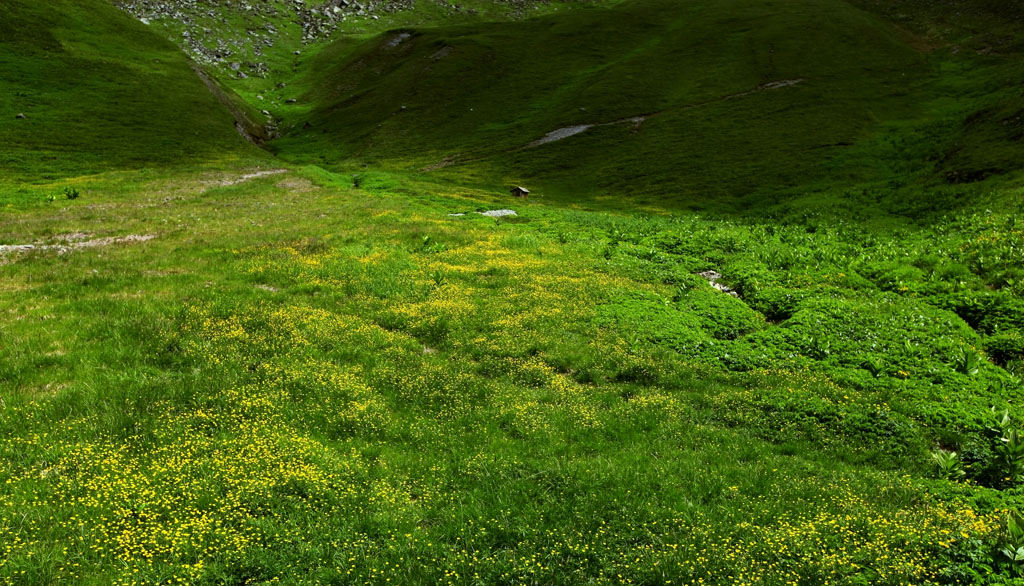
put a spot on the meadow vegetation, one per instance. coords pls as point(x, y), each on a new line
point(304, 382)
point(222, 367)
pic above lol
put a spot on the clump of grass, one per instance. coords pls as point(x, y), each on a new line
point(968, 361)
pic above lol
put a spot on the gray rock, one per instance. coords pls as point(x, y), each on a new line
point(712, 277)
point(498, 213)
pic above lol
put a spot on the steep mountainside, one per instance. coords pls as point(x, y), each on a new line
point(263, 49)
point(84, 87)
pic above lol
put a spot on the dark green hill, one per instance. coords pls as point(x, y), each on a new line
point(98, 90)
point(690, 101)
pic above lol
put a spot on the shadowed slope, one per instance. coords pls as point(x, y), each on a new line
point(663, 102)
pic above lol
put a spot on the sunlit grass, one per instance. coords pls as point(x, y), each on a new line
point(339, 386)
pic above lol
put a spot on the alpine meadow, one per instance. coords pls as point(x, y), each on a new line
point(512, 292)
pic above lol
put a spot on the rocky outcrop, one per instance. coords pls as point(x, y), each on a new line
point(236, 35)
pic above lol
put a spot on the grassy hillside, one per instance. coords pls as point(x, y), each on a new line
point(262, 49)
point(98, 91)
point(736, 97)
point(367, 370)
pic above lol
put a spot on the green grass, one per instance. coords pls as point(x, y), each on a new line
point(875, 104)
point(330, 376)
point(301, 382)
point(100, 92)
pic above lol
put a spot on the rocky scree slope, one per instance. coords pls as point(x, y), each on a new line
point(237, 35)
point(243, 36)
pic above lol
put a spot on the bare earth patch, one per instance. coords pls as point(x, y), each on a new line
point(397, 39)
point(568, 131)
point(249, 177)
point(70, 242)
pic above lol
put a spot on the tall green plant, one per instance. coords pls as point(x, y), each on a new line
point(1010, 448)
point(949, 463)
point(968, 361)
point(1013, 544)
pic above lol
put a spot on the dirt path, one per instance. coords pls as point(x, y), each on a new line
point(70, 242)
point(250, 176)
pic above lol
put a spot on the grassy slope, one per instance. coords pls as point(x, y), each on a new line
point(99, 91)
point(872, 106)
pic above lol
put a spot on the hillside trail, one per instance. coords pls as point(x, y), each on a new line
point(68, 243)
point(251, 176)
